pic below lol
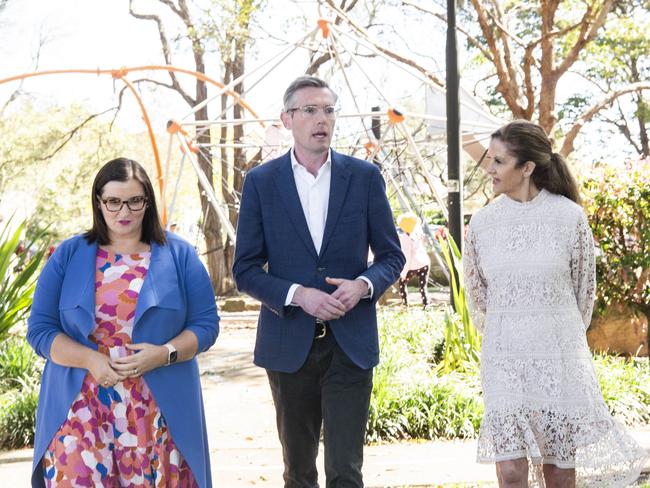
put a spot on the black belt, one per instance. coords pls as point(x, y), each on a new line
point(321, 329)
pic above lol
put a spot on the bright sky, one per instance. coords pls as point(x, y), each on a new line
point(79, 34)
point(94, 34)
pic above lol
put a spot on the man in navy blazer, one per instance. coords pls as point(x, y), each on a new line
point(306, 223)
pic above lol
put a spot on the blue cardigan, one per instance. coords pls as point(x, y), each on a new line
point(176, 295)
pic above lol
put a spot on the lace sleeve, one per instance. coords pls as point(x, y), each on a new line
point(475, 283)
point(583, 270)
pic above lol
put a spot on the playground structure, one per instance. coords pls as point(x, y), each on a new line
point(405, 144)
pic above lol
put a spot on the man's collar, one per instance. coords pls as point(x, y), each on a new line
point(294, 160)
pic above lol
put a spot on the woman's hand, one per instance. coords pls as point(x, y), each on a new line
point(145, 358)
point(99, 366)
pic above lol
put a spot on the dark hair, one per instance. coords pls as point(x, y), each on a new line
point(527, 141)
point(304, 82)
point(123, 169)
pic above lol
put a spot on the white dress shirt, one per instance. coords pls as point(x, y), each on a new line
point(314, 194)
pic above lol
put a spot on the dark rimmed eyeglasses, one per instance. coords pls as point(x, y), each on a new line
point(134, 204)
point(312, 110)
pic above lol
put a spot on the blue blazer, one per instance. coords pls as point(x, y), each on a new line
point(176, 295)
point(275, 249)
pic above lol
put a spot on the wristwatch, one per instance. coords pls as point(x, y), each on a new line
point(172, 355)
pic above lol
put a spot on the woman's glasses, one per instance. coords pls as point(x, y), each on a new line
point(134, 204)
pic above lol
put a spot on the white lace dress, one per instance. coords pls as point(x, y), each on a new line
point(530, 281)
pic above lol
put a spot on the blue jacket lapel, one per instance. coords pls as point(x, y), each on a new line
point(160, 287)
point(287, 188)
point(339, 183)
point(78, 289)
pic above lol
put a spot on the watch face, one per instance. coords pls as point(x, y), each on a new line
point(173, 355)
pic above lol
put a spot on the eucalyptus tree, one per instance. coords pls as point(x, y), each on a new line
point(522, 51)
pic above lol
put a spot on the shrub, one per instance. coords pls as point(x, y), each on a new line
point(618, 205)
point(409, 399)
point(625, 384)
point(17, 275)
point(18, 415)
point(17, 362)
point(20, 373)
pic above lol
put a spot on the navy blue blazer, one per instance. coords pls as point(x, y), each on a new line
point(275, 249)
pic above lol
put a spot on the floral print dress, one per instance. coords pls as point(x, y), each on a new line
point(115, 436)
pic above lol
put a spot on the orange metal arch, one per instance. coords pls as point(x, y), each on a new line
point(121, 74)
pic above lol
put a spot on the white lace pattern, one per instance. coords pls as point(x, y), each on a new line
point(530, 281)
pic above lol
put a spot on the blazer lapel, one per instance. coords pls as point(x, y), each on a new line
point(339, 183)
point(287, 189)
point(160, 287)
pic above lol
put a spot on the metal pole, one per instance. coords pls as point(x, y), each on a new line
point(454, 180)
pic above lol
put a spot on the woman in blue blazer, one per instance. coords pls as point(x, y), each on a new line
point(120, 314)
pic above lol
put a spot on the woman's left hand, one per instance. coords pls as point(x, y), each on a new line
point(145, 358)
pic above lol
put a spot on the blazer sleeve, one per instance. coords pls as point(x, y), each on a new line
point(202, 317)
point(251, 256)
point(384, 242)
point(44, 322)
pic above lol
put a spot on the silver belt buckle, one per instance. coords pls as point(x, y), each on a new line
point(324, 329)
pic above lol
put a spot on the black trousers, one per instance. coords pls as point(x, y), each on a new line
point(328, 390)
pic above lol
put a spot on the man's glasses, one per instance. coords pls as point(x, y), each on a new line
point(312, 110)
point(134, 204)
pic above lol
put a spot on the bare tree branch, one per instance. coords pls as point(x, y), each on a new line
point(36, 59)
point(315, 64)
point(569, 139)
point(475, 42)
point(409, 62)
point(154, 82)
point(71, 133)
point(164, 43)
point(120, 96)
point(173, 7)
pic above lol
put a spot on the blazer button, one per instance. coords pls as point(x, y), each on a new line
point(320, 269)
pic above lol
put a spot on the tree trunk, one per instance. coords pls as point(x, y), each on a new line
point(211, 225)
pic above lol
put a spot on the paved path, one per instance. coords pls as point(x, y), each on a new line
point(245, 451)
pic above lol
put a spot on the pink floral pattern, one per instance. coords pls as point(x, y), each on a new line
point(115, 436)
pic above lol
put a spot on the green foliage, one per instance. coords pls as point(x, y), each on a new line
point(18, 415)
point(625, 384)
point(409, 399)
point(618, 205)
point(462, 339)
point(20, 371)
point(18, 362)
point(17, 275)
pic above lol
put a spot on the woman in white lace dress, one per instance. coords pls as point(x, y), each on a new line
point(530, 280)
